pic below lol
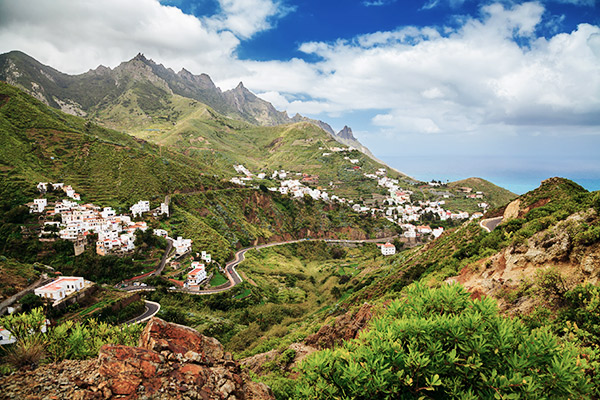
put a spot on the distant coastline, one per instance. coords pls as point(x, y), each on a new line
point(519, 175)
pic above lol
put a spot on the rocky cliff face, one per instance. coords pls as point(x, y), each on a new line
point(519, 265)
point(171, 362)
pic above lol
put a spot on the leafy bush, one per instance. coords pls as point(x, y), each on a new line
point(438, 343)
point(69, 340)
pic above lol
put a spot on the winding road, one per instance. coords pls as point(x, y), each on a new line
point(234, 278)
point(152, 309)
point(240, 256)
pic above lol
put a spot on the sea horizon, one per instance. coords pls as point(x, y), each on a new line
point(517, 174)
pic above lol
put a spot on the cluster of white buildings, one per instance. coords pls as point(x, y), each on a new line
point(39, 205)
point(400, 210)
point(115, 232)
point(294, 188)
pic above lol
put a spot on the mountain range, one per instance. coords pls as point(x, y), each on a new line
point(95, 93)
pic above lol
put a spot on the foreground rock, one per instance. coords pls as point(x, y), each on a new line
point(172, 362)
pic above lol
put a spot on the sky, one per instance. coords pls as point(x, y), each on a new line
point(439, 89)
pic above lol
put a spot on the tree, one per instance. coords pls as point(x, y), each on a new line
point(31, 301)
point(439, 343)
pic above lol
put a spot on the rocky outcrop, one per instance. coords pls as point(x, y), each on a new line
point(345, 327)
point(512, 210)
point(172, 362)
point(555, 248)
point(346, 133)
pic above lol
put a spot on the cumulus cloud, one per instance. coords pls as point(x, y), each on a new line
point(247, 17)
point(490, 73)
point(74, 36)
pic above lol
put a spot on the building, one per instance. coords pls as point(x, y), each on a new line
point(164, 209)
point(388, 249)
point(60, 288)
point(140, 207)
point(38, 205)
point(197, 275)
point(161, 233)
point(182, 246)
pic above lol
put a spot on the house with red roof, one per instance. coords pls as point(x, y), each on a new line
point(388, 249)
point(60, 288)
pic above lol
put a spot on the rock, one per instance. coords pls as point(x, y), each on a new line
point(173, 361)
point(590, 262)
point(345, 327)
point(512, 210)
point(160, 335)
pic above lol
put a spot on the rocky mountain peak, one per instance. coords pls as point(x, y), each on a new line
point(140, 57)
point(346, 133)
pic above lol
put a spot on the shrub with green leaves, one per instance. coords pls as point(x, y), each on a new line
point(69, 340)
point(439, 343)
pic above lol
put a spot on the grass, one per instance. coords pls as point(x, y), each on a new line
point(218, 279)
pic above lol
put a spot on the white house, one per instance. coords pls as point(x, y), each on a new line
point(164, 209)
point(437, 232)
point(60, 288)
point(182, 246)
point(196, 276)
point(388, 249)
point(42, 187)
point(108, 212)
point(161, 233)
point(140, 207)
point(38, 205)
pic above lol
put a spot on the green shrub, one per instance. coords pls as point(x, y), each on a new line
point(438, 343)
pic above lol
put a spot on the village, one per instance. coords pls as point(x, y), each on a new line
point(396, 206)
point(75, 222)
point(69, 220)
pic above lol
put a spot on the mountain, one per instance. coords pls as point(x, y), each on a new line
point(97, 91)
point(109, 168)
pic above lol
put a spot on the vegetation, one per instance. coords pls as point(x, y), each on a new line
point(69, 340)
point(438, 343)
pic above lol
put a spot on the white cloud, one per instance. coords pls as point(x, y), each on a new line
point(74, 36)
point(247, 17)
point(476, 78)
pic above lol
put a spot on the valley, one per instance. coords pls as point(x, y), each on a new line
point(264, 232)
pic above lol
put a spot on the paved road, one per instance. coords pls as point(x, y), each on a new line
point(235, 279)
point(490, 224)
point(151, 309)
point(164, 260)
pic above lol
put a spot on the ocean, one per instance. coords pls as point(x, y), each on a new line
point(517, 174)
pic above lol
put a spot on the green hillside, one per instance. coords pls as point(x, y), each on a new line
point(40, 144)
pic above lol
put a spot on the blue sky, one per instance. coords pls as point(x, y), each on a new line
point(436, 88)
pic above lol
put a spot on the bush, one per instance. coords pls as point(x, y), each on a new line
point(438, 343)
point(69, 340)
